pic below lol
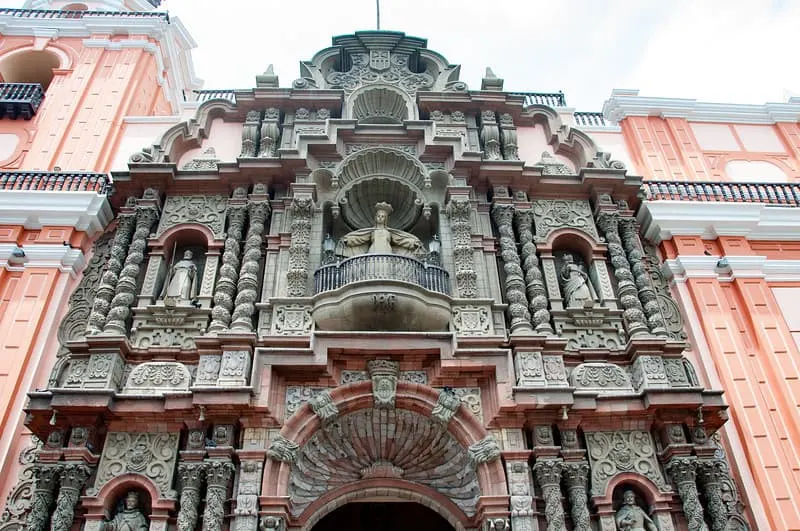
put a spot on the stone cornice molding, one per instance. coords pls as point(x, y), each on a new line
point(61, 257)
point(729, 268)
point(625, 103)
point(85, 211)
point(661, 220)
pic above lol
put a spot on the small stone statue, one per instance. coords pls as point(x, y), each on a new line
point(130, 518)
point(380, 238)
point(631, 517)
point(180, 287)
point(575, 283)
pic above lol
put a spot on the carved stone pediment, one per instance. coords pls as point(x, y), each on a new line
point(158, 377)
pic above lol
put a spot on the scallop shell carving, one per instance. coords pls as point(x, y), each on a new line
point(380, 106)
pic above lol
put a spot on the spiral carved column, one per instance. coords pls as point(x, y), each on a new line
point(42, 498)
point(218, 481)
point(225, 290)
point(722, 499)
point(682, 471)
point(247, 288)
point(73, 477)
point(190, 476)
point(647, 293)
point(576, 479)
point(534, 281)
point(518, 315)
point(548, 476)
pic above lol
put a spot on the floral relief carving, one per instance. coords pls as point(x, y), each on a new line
point(611, 453)
point(597, 375)
point(208, 210)
point(150, 454)
point(20, 499)
point(158, 376)
point(472, 321)
point(296, 396)
point(667, 304)
point(552, 214)
point(393, 70)
point(293, 320)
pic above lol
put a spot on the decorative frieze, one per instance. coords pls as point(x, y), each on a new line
point(534, 280)
point(552, 166)
point(459, 211)
point(296, 396)
point(150, 454)
point(553, 214)
point(555, 373)
point(208, 370)
point(207, 210)
point(614, 452)
point(530, 370)
point(349, 377)
point(518, 315)
point(384, 375)
point(302, 209)
point(156, 377)
point(649, 373)
point(225, 289)
point(600, 377)
point(247, 286)
point(234, 368)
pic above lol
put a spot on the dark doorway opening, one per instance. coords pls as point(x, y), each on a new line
point(372, 516)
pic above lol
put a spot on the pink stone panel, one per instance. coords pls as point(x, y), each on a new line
point(761, 138)
point(224, 137)
point(715, 137)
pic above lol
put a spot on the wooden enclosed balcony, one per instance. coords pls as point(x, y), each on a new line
point(20, 100)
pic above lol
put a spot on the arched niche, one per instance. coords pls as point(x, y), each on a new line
point(102, 505)
point(585, 251)
point(30, 66)
point(648, 497)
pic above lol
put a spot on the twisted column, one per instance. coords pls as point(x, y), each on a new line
point(73, 476)
point(247, 286)
point(297, 276)
point(225, 290)
point(517, 310)
point(534, 281)
point(628, 295)
point(218, 480)
point(105, 291)
point(190, 476)
point(125, 292)
point(682, 472)
point(722, 498)
point(576, 479)
point(548, 476)
point(459, 211)
point(46, 480)
point(647, 293)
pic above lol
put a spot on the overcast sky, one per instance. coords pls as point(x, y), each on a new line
point(740, 51)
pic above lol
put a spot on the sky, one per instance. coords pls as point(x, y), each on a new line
point(729, 51)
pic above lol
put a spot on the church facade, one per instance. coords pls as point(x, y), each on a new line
point(377, 298)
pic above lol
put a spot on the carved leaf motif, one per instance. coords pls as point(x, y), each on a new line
point(206, 210)
point(150, 454)
point(611, 453)
point(552, 214)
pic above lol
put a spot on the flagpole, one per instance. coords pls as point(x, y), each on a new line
point(378, 12)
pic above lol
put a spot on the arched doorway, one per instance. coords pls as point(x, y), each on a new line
point(383, 516)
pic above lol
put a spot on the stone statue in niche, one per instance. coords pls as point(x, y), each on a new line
point(382, 239)
point(575, 283)
point(631, 517)
point(180, 287)
point(130, 517)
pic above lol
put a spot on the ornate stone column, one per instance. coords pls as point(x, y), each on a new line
point(719, 489)
point(250, 131)
point(297, 276)
point(681, 470)
point(73, 476)
point(42, 499)
point(247, 287)
point(628, 295)
point(105, 291)
point(534, 281)
point(518, 315)
point(490, 136)
point(218, 481)
point(270, 133)
point(520, 488)
point(229, 271)
point(548, 476)
point(125, 293)
point(576, 480)
point(509, 136)
point(250, 471)
point(190, 478)
point(459, 210)
point(647, 293)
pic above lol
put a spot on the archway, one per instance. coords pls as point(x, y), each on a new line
point(383, 516)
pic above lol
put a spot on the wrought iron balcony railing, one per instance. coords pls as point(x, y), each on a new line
point(70, 13)
point(552, 99)
point(591, 119)
point(55, 182)
point(381, 267)
point(784, 194)
point(212, 94)
point(20, 99)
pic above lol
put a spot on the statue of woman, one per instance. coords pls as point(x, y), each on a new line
point(575, 283)
point(380, 238)
point(130, 518)
point(631, 517)
point(181, 283)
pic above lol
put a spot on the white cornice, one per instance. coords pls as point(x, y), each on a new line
point(622, 104)
point(61, 257)
point(85, 211)
point(729, 268)
point(661, 220)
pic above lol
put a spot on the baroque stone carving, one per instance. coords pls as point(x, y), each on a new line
point(534, 281)
point(530, 371)
point(649, 372)
point(190, 476)
point(149, 454)
point(518, 315)
point(554, 371)
point(270, 138)
point(130, 517)
point(282, 449)
point(601, 377)
point(722, 497)
point(471, 398)
point(225, 289)
point(611, 453)
point(490, 136)
point(302, 210)
point(417, 377)
point(353, 376)
point(292, 320)
point(631, 517)
point(296, 396)
point(234, 368)
point(272, 523)
point(208, 369)
point(250, 131)
point(446, 406)
point(641, 276)
point(576, 480)
point(323, 406)
point(247, 285)
point(73, 477)
point(384, 375)
point(552, 214)
point(552, 166)
point(459, 212)
point(218, 480)
point(206, 161)
point(484, 451)
point(472, 321)
point(548, 476)
point(22, 499)
point(575, 284)
point(673, 320)
point(392, 69)
point(158, 377)
point(682, 471)
point(208, 210)
point(508, 135)
point(249, 482)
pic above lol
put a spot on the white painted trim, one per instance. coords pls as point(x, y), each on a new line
point(162, 120)
point(625, 103)
point(42, 255)
point(730, 268)
point(34, 209)
point(664, 219)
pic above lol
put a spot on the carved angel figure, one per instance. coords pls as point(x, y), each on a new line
point(631, 517)
point(575, 282)
point(130, 518)
point(380, 238)
point(181, 284)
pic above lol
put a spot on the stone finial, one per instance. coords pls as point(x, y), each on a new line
point(268, 79)
point(490, 81)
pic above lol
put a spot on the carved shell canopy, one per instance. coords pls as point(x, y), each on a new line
point(379, 105)
point(388, 443)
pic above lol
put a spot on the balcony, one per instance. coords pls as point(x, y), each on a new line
point(783, 194)
point(381, 292)
point(75, 14)
point(551, 99)
point(591, 119)
point(20, 99)
point(55, 182)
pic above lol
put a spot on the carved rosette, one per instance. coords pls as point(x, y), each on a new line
point(576, 480)
point(297, 276)
point(633, 312)
point(548, 476)
point(270, 133)
point(105, 291)
point(518, 315)
point(384, 375)
point(534, 281)
point(490, 136)
point(247, 287)
point(459, 211)
point(682, 471)
point(46, 477)
point(218, 480)
point(190, 476)
point(73, 477)
point(508, 135)
point(125, 292)
point(225, 289)
point(641, 276)
point(250, 131)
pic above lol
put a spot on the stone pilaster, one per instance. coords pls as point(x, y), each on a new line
point(46, 476)
point(518, 315)
point(246, 513)
point(722, 498)
point(105, 291)
point(250, 131)
point(218, 481)
point(548, 476)
point(225, 290)
point(490, 136)
point(125, 292)
point(270, 133)
point(73, 477)
point(647, 293)
point(628, 294)
point(190, 477)
point(520, 489)
point(508, 134)
point(576, 481)
point(247, 287)
point(534, 281)
point(302, 210)
point(459, 210)
point(682, 471)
